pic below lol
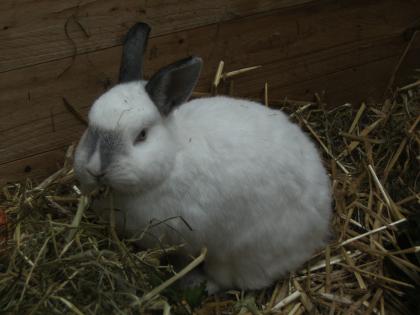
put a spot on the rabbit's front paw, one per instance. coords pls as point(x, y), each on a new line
point(196, 278)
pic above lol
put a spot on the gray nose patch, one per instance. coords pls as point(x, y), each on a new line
point(108, 142)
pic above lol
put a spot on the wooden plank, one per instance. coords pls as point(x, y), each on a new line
point(36, 167)
point(355, 77)
point(343, 76)
point(34, 31)
point(322, 53)
point(343, 86)
point(33, 93)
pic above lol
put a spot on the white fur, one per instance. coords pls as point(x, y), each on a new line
point(249, 183)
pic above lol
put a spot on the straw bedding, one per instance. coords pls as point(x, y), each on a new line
point(56, 257)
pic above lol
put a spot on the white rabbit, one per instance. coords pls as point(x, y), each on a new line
point(227, 174)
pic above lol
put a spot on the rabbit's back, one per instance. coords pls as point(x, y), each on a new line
point(250, 145)
point(252, 184)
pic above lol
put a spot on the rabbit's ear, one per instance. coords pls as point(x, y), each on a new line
point(135, 43)
point(173, 84)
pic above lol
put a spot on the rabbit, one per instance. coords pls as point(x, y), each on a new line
point(227, 174)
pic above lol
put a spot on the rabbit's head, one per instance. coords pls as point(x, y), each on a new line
point(127, 145)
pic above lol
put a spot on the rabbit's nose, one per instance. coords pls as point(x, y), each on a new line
point(98, 176)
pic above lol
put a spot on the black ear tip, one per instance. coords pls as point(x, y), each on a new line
point(142, 26)
point(195, 61)
point(140, 29)
point(134, 46)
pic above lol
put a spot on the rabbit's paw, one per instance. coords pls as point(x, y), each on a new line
point(196, 278)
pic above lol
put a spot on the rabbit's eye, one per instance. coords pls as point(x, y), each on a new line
point(142, 136)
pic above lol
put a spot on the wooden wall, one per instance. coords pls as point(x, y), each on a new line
point(50, 49)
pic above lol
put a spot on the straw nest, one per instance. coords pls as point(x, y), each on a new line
point(57, 257)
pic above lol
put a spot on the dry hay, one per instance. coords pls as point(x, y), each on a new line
point(56, 257)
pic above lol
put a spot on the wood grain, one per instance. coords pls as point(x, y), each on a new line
point(36, 167)
point(347, 50)
point(37, 31)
